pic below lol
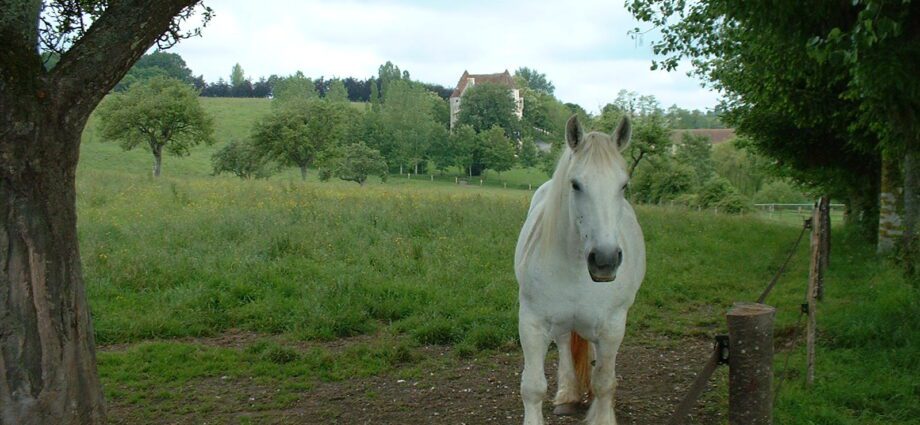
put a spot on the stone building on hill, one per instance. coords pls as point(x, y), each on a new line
point(468, 80)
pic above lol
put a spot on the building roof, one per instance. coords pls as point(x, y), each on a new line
point(715, 135)
point(503, 78)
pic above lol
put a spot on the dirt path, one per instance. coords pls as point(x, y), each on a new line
point(474, 391)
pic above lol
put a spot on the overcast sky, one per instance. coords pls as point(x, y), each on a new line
point(582, 46)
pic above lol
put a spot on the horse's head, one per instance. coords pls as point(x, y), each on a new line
point(596, 178)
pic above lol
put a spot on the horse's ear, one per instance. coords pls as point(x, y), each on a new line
point(574, 133)
point(623, 133)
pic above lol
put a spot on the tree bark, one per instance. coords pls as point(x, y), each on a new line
point(47, 357)
point(862, 209)
point(889, 223)
point(911, 242)
point(303, 172)
point(157, 162)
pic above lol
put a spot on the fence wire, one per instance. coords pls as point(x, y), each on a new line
point(696, 389)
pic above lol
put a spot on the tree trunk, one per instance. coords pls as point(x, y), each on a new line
point(157, 161)
point(889, 223)
point(47, 355)
point(912, 207)
point(303, 172)
point(862, 208)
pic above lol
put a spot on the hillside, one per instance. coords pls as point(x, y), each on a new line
point(233, 120)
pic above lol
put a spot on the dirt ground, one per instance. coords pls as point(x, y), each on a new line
point(484, 390)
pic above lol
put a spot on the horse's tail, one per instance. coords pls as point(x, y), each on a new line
point(581, 358)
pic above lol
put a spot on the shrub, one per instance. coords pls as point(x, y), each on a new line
point(719, 193)
point(780, 192)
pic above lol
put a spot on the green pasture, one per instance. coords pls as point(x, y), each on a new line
point(409, 263)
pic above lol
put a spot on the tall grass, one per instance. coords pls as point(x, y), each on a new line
point(431, 263)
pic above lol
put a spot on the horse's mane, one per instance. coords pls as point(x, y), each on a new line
point(597, 150)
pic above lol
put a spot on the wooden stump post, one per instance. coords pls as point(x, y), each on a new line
point(815, 273)
point(750, 362)
point(820, 241)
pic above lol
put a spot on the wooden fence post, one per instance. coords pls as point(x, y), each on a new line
point(815, 277)
point(750, 362)
point(823, 217)
point(826, 246)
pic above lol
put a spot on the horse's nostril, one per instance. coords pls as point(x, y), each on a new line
point(592, 258)
point(619, 257)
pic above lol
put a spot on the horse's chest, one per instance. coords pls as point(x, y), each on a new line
point(574, 301)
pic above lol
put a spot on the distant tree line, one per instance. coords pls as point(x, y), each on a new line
point(240, 85)
point(404, 127)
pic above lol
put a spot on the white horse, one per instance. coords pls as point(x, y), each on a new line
point(579, 261)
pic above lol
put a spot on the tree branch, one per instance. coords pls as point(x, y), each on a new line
point(112, 45)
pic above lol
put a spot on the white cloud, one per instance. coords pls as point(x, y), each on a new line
point(582, 46)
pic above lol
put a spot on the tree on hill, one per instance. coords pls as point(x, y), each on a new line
point(161, 113)
point(498, 152)
point(293, 88)
point(337, 92)
point(696, 152)
point(156, 64)
point(47, 354)
point(356, 162)
point(487, 105)
point(408, 115)
point(243, 160)
point(237, 76)
point(386, 74)
point(534, 80)
point(442, 152)
point(297, 131)
point(529, 154)
point(464, 142)
point(240, 86)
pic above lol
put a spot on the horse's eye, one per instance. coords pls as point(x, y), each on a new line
point(575, 186)
point(625, 185)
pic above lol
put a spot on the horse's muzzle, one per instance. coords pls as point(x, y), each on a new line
point(603, 264)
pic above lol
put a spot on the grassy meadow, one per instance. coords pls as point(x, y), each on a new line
point(409, 263)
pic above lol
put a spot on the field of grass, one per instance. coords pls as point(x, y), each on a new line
point(410, 263)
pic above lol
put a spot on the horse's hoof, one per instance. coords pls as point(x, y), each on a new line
point(569, 409)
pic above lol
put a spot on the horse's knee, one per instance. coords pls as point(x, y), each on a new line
point(533, 386)
point(604, 381)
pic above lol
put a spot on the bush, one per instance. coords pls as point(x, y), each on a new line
point(242, 160)
point(719, 193)
point(661, 181)
point(779, 192)
point(733, 203)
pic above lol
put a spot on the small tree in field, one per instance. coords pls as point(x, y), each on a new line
point(296, 132)
point(160, 113)
point(529, 154)
point(464, 143)
point(337, 91)
point(355, 162)
point(243, 160)
point(498, 152)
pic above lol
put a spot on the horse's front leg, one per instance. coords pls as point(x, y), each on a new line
point(604, 377)
point(534, 342)
point(568, 396)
